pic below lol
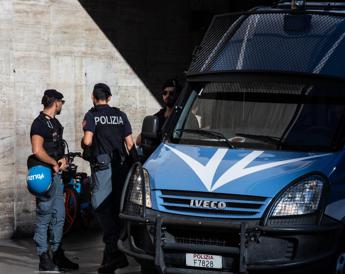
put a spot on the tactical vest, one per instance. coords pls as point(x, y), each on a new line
point(54, 145)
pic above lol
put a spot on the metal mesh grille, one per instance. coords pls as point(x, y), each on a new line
point(189, 239)
point(256, 87)
point(190, 235)
point(219, 27)
point(306, 43)
point(275, 89)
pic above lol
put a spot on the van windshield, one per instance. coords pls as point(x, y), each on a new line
point(264, 115)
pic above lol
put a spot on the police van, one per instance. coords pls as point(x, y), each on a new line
point(250, 174)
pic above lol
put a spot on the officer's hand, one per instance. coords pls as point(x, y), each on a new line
point(56, 168)
point(83, 146)
point(63, 163)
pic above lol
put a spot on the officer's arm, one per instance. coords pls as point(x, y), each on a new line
point(131, 148)
point(138, 140)
point(39, 151)
point(129, 142)
point(87, 139)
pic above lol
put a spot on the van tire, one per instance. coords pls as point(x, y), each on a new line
point(148, 269)
point(338, 260)
point(340, 264)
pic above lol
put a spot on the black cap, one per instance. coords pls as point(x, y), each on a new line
point(101, 88)
point(52, 93)
point(170, 83)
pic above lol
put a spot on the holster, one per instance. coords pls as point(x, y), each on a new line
point(102, 162)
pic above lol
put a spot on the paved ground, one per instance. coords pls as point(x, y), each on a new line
point(19, 257)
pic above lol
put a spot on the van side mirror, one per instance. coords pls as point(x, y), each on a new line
point(149, 135)
point(150, 127)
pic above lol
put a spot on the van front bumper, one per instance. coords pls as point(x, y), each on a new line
point(164, 239)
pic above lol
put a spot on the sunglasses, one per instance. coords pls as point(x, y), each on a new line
point(62, 101)
point(166, 92)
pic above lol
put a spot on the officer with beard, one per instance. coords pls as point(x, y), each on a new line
point(48, 150)
point(106, 142)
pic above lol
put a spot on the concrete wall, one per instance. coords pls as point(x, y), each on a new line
point(52, 44)
point(7, 121)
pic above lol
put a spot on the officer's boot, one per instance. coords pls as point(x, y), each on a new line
point(112, 261)
point(46, 264)
point(62, 262)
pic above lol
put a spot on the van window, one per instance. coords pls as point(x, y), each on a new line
point(270, 115)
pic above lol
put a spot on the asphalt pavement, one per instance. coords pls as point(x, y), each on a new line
point(18, 256)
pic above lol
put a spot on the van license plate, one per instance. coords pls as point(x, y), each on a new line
point(203, 260)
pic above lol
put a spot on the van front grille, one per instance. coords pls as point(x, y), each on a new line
point(212, 204)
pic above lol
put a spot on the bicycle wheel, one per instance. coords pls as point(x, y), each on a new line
point(71, 209)
point(86, 211)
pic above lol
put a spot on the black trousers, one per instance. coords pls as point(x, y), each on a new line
point(108, 212)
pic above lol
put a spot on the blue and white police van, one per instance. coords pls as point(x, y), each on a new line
point(250, 173)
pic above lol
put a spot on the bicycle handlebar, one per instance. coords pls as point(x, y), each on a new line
point(72, 155)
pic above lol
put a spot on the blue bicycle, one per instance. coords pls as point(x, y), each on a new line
point(78, 209)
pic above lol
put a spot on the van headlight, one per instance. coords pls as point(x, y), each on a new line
point(140, 181)
point(301, 198)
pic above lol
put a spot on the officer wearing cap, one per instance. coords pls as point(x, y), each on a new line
point(48, 150)
point(108, 138)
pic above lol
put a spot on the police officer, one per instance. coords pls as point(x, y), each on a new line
point(108, 138)
point(48, 149)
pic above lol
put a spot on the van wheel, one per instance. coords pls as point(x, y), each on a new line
point(148, 269)
point(340, 264)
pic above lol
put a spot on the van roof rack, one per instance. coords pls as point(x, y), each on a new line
point(313, 5)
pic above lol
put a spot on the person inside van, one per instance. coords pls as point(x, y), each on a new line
point(170, 91)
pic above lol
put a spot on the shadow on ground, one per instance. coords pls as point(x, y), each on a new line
point(84, 247)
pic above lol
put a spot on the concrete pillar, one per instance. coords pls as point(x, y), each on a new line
point(7, 121)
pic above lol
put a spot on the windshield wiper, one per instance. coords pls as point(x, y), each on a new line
point(267, 139)
point(204, 132)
